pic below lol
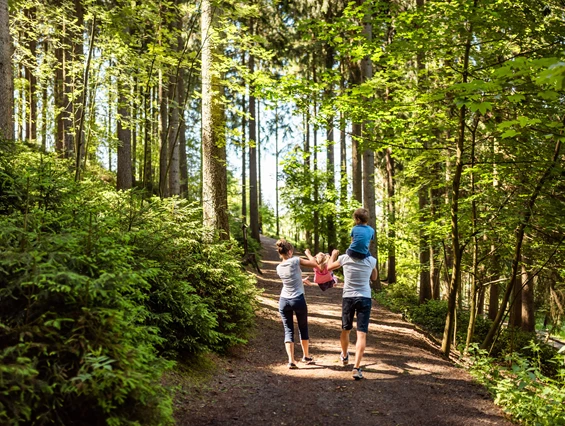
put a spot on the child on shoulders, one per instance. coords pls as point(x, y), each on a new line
point(361, 235)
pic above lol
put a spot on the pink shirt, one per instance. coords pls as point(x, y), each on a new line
point(322, 277)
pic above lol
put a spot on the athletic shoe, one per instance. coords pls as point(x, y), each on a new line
point(292, 366)
point(308, 360)
point(357, 374)
point(344, 359)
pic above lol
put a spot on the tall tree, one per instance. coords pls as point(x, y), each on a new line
point(253, 181)
point(6, 76)
point(214, 175)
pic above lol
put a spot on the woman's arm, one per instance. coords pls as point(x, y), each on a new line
point(374, 274)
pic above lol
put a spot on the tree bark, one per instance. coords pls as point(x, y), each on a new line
point(6, 75)
point(124, 179)
point(174, 156)
point(253, 190)
point(243, 155)
point(528, 312)
point(214, 173)
point(163, 137)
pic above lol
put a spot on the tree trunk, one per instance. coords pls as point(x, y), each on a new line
point(343, 180)
point(174, 157)
point(243, 156)
point(163, 137)
point(147, 151)
point(214, 172)
point(253, 193)
point(183, 161)
point(124, 176)
point(391, 206)
point(32, 82)
point(494, 289)
point(6, 75)
point(528, 313)
point(425, 282)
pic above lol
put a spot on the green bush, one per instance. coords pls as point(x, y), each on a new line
point(96, 287)
point(522, 389)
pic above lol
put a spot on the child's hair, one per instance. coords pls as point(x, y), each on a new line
point(322, 261)
point(361, 215)
point(284, 247)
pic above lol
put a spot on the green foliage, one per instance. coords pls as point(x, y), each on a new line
point(521, 388)
point(95, 287)
point(399, 297)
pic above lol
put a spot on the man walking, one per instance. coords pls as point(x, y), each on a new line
point(357, 274)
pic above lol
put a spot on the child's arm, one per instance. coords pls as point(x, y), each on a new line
point(311, 262)
point(333, 263)
point(309, 255)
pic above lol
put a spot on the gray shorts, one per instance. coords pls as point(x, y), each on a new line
point(352, 305)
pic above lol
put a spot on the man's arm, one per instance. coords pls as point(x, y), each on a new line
point(374, 274)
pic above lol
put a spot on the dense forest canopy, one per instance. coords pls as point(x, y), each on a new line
point(444, 119)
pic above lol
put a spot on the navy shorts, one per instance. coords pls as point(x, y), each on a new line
point(356, 305)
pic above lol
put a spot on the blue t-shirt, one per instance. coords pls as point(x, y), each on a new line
point(362, 236)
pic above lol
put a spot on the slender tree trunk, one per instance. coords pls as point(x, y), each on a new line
point(474, 267)
point(123, 177)
point(58, 91)
point(173, 132)
point(391, 205)
point(260, 201)
point(316, 215)
point(79, 85)
point(425, 281)
point(494, 289)
point(6, 76)
point(457, 250)
point(147, 152)
point(243, 155)
point(356, 162)
point(253, 189)
point(32, 84)
point(183, 161)
point(214, 173)
point(307, 163)
point(163, 137)
point(134, 123)
point(330, 160)
point(277, 169)
point(528, 312)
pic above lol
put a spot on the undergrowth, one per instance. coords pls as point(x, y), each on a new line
point(100, 291)
point(525, 376)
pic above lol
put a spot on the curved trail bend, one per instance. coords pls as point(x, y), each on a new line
point(407, 382)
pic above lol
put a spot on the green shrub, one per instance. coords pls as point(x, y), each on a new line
point(522, 389)
point(96, 287)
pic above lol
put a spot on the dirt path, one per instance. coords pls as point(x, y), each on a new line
point(406, 381)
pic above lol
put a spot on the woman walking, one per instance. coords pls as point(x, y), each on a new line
point(292, 300)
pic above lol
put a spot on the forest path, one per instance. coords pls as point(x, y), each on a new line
point(407, 382)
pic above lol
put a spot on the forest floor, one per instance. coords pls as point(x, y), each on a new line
point(407, 381)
